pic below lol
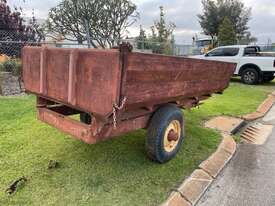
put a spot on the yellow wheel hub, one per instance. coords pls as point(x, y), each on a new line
point(172, 136)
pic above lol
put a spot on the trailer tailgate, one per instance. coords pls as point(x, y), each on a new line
point(86, 79)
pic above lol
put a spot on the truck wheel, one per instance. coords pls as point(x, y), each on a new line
point(165, 134)
point(250, 76)
point(85, 118)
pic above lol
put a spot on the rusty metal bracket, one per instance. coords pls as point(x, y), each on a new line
point(126, 46)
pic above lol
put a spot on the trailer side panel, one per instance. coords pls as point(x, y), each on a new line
point(157, 78)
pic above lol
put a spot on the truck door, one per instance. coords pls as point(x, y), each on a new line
point(225, 54)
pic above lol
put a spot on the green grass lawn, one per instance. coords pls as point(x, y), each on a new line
point(115, 172)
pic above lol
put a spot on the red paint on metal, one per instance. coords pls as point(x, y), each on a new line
point(72, 77)
point(87, 133)
point(89, 82)
point(43, 70)
point(153, 77)
point(173, 136)
point(71, 81)
point(67, 125)
point(42, 73)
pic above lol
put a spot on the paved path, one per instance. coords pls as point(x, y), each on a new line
point(249, 180)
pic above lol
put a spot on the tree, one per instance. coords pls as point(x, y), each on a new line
point(142, 40)
point(247, 39)
point(227, 35)
point(14, 28)
point(162, 34)
point(106, 21)
point(161, 39)
point(215, 11)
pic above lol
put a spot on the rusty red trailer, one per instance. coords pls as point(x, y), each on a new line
point(116, 91)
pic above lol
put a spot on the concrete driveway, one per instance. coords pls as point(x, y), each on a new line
point(249, 180)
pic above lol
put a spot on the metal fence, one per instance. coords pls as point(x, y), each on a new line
point(11, 44)
point(13, 48)
point(267, 48)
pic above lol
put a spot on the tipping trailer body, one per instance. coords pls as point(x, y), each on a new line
point(118, 88)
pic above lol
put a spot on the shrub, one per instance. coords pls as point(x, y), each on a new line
point(9, 65)
point(13, 66)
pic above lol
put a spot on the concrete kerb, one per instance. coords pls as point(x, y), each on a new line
point(194, 187)
point(262, 109)
point(219, 159)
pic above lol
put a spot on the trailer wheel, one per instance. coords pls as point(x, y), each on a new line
point(165, 134)
point(85, 118)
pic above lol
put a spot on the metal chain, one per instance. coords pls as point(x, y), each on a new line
point(117, 108)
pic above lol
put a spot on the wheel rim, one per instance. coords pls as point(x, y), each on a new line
point(172, 136)
point(249, 77)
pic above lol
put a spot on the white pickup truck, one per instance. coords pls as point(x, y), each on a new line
point(253, 66)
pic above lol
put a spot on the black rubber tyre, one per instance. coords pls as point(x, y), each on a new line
point(250, 76)
point(85, 118)
point(159, 124)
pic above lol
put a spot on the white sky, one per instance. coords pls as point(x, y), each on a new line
point(182, 12)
